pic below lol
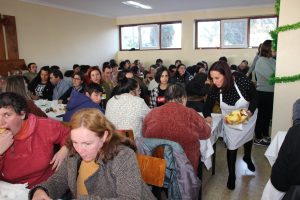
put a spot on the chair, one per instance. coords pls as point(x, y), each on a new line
point(152, 169)
point(126, 133)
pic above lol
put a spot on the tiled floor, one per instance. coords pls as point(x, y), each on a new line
point(249, 185)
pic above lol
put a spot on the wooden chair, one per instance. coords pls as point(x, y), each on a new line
point(152, 169)
point(126, 133)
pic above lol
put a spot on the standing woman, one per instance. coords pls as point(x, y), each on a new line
point(264, 69)
point(157, 94)
point(40, 86)
point(233, 91)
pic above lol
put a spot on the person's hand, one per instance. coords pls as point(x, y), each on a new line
point(40, 194)
point(207, 82)
point(249, 113)
point(209, 121)
point(6, 140)
point(59, 157)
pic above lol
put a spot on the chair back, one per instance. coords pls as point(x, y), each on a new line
point(126, 133)
point(152, 169)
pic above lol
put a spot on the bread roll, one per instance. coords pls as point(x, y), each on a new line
point(236, 117)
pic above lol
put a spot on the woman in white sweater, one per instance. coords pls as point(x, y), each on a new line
point(126, 110)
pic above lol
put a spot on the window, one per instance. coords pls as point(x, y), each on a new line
point(234, 33)
point(129, 37)
point(171, 35)
point(208, 34)
point(151, 36)
point(260, 28)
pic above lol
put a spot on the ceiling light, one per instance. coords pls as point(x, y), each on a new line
point(136, 4)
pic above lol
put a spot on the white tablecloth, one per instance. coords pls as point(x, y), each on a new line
point(45, 106)
point(274, 147)
point(13, 191)
point(206, 146)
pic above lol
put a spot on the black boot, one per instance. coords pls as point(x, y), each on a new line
point(231, 158)
point(247, 156)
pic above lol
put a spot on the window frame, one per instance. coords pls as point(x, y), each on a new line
point(160, 37)
point(224, 19)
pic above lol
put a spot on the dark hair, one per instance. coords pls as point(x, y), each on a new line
point(93, 120)
point(16, 101)
point(178, 61)
point(245, 61)
point(135, 70)
point(223, 58)
point(29, 65)
point(112, 62)
point(75, 66)
point(84, 68)
point(159, 73)
point(106, 66)
point(69, 73)
point(233, 67)
point(159, 60)
point(122, 75)
point(121, 65)
point(126, 85)
point(223, 68)
point(93, 87)
point(266, 49)
point(136, 62)
point(38, 79)
point(199, 66)
point(171, 67)
point(80, 74)
point(54, 67)
point(56, 73)
point(175, 92)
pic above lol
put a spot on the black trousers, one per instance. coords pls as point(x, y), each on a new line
point(264, 115)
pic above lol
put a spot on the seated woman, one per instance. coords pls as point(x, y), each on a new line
point(185, 127)
point(27, 144)
point(157, 94)
point(18, 85)
point(181, 75)
point(126, 110)
point(94, 76)
point(102, 165)
point(77, 82)
point(286, 169)
point(40, 86)
point(197, 89)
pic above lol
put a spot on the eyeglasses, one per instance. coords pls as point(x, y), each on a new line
point(77, 79)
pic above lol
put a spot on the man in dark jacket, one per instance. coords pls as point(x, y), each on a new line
point(286, 169)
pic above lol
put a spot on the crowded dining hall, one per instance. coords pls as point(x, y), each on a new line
point(149, 100)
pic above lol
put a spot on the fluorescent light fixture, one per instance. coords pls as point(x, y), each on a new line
point(136, 4)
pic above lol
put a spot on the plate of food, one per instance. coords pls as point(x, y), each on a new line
point(237, 117)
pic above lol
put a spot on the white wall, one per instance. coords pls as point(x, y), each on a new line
point(188, 54)
point(287, 65)
point(50, 36)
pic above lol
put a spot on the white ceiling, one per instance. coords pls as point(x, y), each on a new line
point(114, 8)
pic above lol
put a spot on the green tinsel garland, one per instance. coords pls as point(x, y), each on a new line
point(274, 35)
point(277, 7)
point(284, 79)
